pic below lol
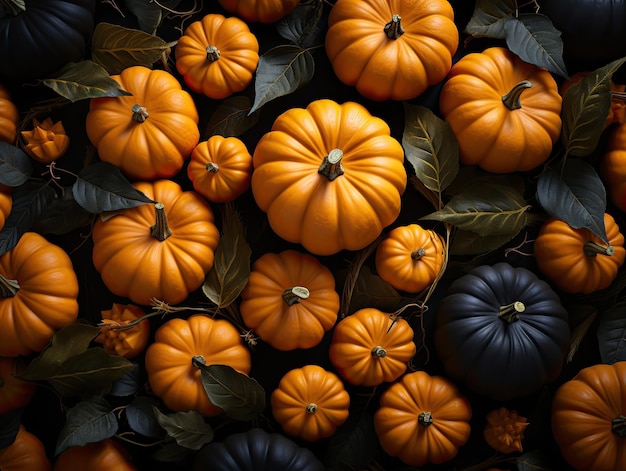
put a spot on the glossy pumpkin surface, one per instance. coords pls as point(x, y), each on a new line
point(504, 112)
point(369, 347)
point(26, 453)
point(290, 300)
point(168, 361)
point(501, 331)
point(329, 176)
point(105, 455)
point(576, 260)
point(115, 335)
point(310, 403)
point(220, 168)
point(261, 11)
point(613, 167)
point(150, 134)
point(422, 419)
point(38, 294)
point(15, 393)
point(589, 418)
point(158, 251)
point(6, 203)
point(391, 49)
point(47, 141)
point(9, 116)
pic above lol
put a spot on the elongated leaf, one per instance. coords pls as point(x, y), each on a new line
point(150, 14)
point(62, 216)
point(575, 195)
point(88, 421)
point(241, 397)
point(352, 446)
point(488, 209)
point(471, 243)
point(9, 426)
point(15, 166)
point(301, 27)
point(231, 118)
point(115, 47)
point(102, 187)
point(189, 429)
point(142, 419)
point(489, 18)
point(431, 147)
point(281, 71)
point(535, 460)
point(611, 334)
point(585, 107)
point(372, 291)
point(129, 384)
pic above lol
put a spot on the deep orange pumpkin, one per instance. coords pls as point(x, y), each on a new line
point(26, 453)
point(14, 392)
point(105, 455)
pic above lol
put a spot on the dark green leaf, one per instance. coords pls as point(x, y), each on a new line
point(353, 445)
point(150, 14)
point(535, 460)
point(575, 195)
point(232, 117)
point(129, 384)
point(9, 426)
point(470, 243)
point(281, 71)
point(611, 334)
point(88, 421)
point(15, 165)
point(84, 80)
point(189, 429)
point(141, 417)
point(489, 18)
point(62, 216)
point(66, 342)
point(102, 187)
point(301, 26)
point(171, 453)
point(372, 291)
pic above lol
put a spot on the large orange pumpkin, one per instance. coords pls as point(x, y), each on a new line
point(9, 116)
point(6, 203)
point(613, 167)
point(14, 392)
point(26, 453)
point(105, 455)
point(262, 11)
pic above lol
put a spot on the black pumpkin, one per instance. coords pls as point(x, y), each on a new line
point(501, 331)
point(44, 37)
point(256, 450)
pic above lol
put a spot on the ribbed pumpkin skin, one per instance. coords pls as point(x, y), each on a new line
point(26, 453)
point(261, 11)
point(582, 411)
point(14, 392)
point(9, 116)
point(105, 455)
point(613, 167)
point(6, 203)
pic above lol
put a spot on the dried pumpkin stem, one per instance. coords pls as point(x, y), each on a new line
point(618, 426)
point(161, 230)
point(510, 312)
point(8, 288)
point(394, 28)
point(512, 99)
point(379, 352)
point(418, 254)
point(592, 249)
point(212, 53)
point(295, 295)
point(198, 361)
point(425, 418)
point(212, 167)
point(311, 408)
point(331, 165)
point(140, 113)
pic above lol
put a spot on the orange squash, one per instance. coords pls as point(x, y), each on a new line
point(6, 203)
point(9, 116)
point(26, 453)
point(47, 141)
point(116, 338)
point(613, 167)
point(15, 393)
point(504, 430)
point(260, 11)
point(105, 455)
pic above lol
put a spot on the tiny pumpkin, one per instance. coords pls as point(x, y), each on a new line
point(504, 430)
point(47, 141)
point(15, 393)
point(290, 300)
point(613, 167)
point(103, 455)
point(370, 347)
point(26, 453)
point(310, 403)
point(9, 116)
point(422, 419)
point(577, 260)
point(220, 168)
point(115, 335)
point(261, 11)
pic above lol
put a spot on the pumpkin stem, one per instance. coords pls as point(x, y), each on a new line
point(425, 418)
point(295, 295)
point(8, 288)
point(212, 167)
point(331, 165)
point(140, 113)
point(198, 361)
point(394, 29)
point(212, 53)
point(311, 408)
point(592, 249)
point(618, 426)
point(512, 99)
point(510, 313)
point(418, 254)
point(161, 230)
point(379, 352)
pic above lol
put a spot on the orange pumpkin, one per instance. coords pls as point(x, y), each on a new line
point(161, 251)
point(168, 361)
point(47, 141)
point(105, 455)
point(149, 134)
point(391, 49)
point(329, 177)
point(116, 338)
point(6, 203)
point(15, 393)
point(310, 403)
point(220, 168)
point(9, 116)
point(261, 11)
point(504, 430)
point(613, 167)
point(26, 453)
point(290, 300)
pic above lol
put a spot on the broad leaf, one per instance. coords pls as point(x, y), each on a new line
point(471, 243)
point(62, 216)
point(84, 80)
point(575, 195)
point(535, 460)
point(281, 71)
point(301, 26)
point(150, 14)
point(232, 117)
point(352, 446)
point(189, 429)
point(490, 17)
point(586, 105)
point(372, 291)
point(15, 165)
point(611, 334)
point(9, 426)
point(66, 342)
point(88, 421)
point(102, 187)
point(129, 384)
point(142, 419)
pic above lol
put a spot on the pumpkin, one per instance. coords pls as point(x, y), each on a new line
point(504, 430)
point(161, 251)
point(391, 49)
point(504, 112)
point(501, 331)
point(150, 134)
point(6, 203)
point(329, 176)
point(26, 453)
point(613, 167)
point(171, 372)
point(289, 300)
point(104, 455)
point(310, 403)
point(370, 347)
point(577, 260)
point(260, 11)
point(256, 450)
point(422, 419)
point(220, 168)
point(217, 56)
point(43, 37)
point(9, 116)
point(118, 339)
point(589, 418)
point(47, 141)
point(15, 393)
point(410, 258)
point(38, 294)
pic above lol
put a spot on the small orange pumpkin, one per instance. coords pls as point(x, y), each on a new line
point(613, 167)
point(115, 338)
point(26, 453)
point(9, 116)
point(47, 141)
point(261, 11)
point(6, 203)
point(504, 430)
point(15, 393)
point(105, 455)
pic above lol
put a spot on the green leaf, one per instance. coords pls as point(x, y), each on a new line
point(281, 71)
point(189, 429)
point(150, 14)
point(471, 243)
point(62, 216)
point(575, 195)
point(535, 460)
point(15, 165)
point(102, 187)
point(371, 290)
point(232, 117)
point(352, 446)
point(9, 426)
point(611, 334)
point(490, 17)
point(142, 419)
point(88, 421)
point(431, 147)
point(488, 209)
point(302, 26)
point(241, 397)
point(66, 342)
point(586, 105)
point(115, 47)
point(84, 80)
